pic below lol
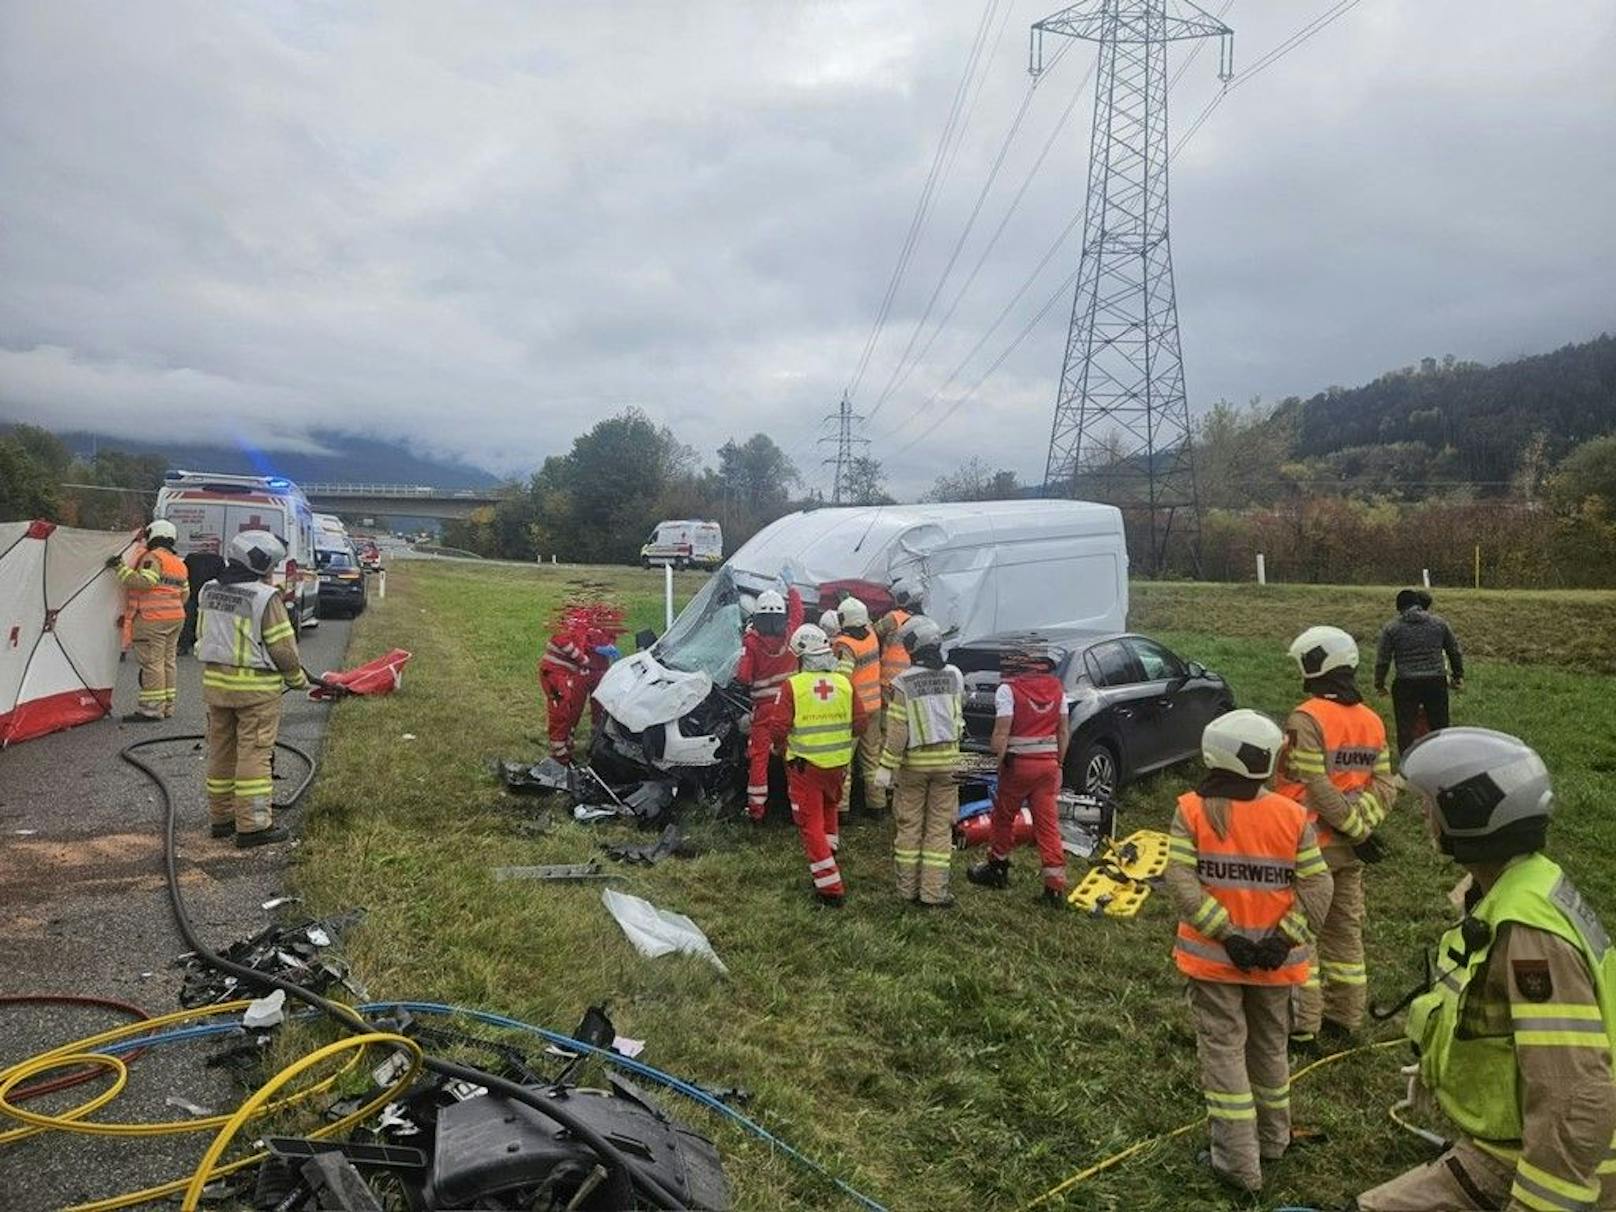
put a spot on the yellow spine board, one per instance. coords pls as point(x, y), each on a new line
point(1119, 884)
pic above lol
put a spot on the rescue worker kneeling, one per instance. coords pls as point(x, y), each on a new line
point(817, 715)
point(249, 658)
point(1250, 886)
point(924, 723)
point(1515, 1034)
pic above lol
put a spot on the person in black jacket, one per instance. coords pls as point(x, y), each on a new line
point(1426, 653)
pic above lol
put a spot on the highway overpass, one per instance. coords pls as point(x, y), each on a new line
point(397, 500)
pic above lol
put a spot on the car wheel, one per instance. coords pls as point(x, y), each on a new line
point(1096, 771)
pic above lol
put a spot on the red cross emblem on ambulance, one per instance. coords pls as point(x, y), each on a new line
point(824, 690)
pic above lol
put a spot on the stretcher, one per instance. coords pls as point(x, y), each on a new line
point(382, 676)
point(1120, 882)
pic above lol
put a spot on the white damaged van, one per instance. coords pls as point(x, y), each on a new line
point(985, 568)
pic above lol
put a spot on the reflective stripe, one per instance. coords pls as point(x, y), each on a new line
point(1273, 1098)
point(906, 856)
point(827, 881)
point(1221, 1105)
point(221, 784)
point(1344, 974)
point(828, 864)
point(804, 748)
point(935, 858)
point(1050, 873)
point(241, 679)
point(280, 631)
point(250, 787)
point(1033, 744)
point(1537, 1188)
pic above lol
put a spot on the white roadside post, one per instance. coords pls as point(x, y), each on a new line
point(1425, 576)
point(381, 585)
point(1262, 570)
point(667, 594)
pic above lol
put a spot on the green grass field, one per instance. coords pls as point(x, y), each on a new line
point(947, 1061)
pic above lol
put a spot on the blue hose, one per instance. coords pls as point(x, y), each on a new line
point(639, 1068)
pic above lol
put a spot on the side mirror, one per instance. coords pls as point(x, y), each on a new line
point(1197, 670)
point(644, 639)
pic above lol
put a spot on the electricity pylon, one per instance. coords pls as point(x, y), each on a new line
point(846, 439)
point(1122, 425)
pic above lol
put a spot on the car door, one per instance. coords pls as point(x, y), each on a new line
point(1119, 681)
point(1173, 710)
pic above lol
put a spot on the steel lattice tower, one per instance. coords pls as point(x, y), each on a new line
point(1121, 432)
point(846, 439)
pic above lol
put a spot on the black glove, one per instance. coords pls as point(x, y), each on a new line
point(113, 561)
point(1272, 952)
point(1371, 849)
point(1243, 953)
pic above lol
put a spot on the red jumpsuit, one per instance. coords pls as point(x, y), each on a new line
point(766, 662)
point(816, 793)
point(1031, 773)
point(565, 673)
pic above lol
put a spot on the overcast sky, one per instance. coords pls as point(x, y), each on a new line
point(481, 227)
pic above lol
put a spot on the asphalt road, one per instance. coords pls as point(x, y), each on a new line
point(84, 909)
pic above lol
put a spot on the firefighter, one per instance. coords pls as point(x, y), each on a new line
point(924, 721)
point(249, 656)
point(1030, 735)
point(564, 676)
point(894, 656)
point(1336, 765)
point(1250, 886)
point(157, 589)
point(831, 624)
point(766, 661)
point(817, 716)
point(858, 659)
point(1514, 1035)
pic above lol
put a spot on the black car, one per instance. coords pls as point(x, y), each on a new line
point(342, 581)
point(1135, 705)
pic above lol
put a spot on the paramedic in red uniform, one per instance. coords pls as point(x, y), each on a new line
point(817, 715)
point(568, 673)
point(1030, 735)
point(766, 662)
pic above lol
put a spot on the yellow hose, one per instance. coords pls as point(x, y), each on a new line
point(1081, 1176)
point(43, 1064)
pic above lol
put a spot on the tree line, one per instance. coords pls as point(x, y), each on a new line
point(41, 478)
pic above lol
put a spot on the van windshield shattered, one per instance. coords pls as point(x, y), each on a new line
point(706, 637)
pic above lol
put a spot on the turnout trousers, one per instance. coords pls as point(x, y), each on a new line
point(815, 792)
point(1035, 782)
point(924, 805)
point(866, 761)
point(156, 644)
point(564, 698)
point(1337, 986)
point(1465, 1179)
point(1240, 1040)
point(241, 743)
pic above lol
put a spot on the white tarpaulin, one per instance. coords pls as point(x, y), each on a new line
point(656, 931)
point(59, 612)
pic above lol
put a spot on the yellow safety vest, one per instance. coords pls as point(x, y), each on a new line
point(822, 719)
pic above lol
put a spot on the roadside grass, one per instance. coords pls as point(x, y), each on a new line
point(946, 1061)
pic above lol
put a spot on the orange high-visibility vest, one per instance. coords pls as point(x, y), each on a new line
point(1354, 745)
point(894, 656)
point(1252, 873)
point(163, 602)
point(860, 661)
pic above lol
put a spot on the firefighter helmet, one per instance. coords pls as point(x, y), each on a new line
point(770, 602)
point(161, 528)
point(853, 613)
point(258, 550)
point(1244, 742)
point(906, 592)
point(920, 632)
point(1321, 649)
point(810, 641)
point(830, 623)
point(1488, 793)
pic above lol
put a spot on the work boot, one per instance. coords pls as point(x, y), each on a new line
point(828, 900)
point(140, 717)
point(222, 828)
point(261, 837)
point(946, 903)
point(1234, 1183)
point(1053, 898)
point(990, 873)
point(1333, 1037)
point(1305, 1045)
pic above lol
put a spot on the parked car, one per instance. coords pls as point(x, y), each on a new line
point(370, 556)
point(1135, 705)
point(342, 581)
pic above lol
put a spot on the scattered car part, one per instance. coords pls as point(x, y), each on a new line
point(651, 853)
point(287, 952)
point(556, 871)
point(656, 931)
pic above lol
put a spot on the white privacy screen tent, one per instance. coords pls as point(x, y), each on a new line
point(59, 618)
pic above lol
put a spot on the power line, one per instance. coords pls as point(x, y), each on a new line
point(923, 206)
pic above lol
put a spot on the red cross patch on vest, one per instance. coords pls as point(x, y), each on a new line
point(824, 690)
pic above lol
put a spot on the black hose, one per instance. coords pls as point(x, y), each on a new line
point(623, 1174)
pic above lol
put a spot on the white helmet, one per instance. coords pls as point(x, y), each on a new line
point(161, 528)
point(1321, 649)
point(258, 550)
point(770, 602)
point(920, 632)
point(906, 592)
point(830, 623)
point(810, 641)
point(1244, 742)
point(853, 613)
point(1488, 792)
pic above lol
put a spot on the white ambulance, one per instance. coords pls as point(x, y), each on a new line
point(684, 543)
point(209, 509)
